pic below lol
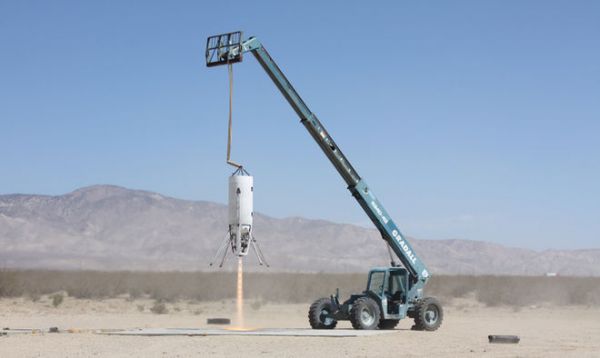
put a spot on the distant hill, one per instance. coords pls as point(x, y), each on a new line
point(113, 228)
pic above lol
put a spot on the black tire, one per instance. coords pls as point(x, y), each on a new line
point(218, 321)
point(428, 315)
point(365, 313)
point(317, 312)
point(388, 323)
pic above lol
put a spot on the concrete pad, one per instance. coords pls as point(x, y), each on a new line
point(290, 332)
point(13, 331)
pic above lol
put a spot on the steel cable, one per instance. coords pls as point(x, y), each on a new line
point(229, 129)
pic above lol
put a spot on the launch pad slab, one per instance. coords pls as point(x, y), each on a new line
point(289, 332)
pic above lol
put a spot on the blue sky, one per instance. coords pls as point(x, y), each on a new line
point(469, 119)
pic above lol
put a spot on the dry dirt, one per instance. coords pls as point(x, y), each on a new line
point(545, 331)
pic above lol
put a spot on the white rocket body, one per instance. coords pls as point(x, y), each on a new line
point(239, 236)
point(241, 212)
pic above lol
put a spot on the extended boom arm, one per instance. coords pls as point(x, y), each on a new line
point(230, 52)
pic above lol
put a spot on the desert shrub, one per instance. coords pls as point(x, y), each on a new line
point(524, 291)
point(164, 295)
point(256, 305)
point(57, 299)
point(9, 284)
point(159, 308)
point(34, 296)
point(448, 287)
point(290, 287)
point(135, 293)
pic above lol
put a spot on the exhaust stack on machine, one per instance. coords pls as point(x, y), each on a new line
point(240, 238)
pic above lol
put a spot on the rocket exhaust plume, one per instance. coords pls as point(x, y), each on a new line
point(240, 294)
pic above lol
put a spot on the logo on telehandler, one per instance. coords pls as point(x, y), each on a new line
point(404, 246)
point(380, 212)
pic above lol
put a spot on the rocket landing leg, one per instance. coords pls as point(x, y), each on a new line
point(222, 251)
point(258, 252)
point(229, 242)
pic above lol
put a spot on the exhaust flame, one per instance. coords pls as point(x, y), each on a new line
point(240, 294)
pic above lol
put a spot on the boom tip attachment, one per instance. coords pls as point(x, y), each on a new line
point(224, 49)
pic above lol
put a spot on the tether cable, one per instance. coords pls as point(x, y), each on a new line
point(229, 129)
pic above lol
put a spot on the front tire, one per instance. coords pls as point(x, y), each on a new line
point(428, 315)
point(317, 314)
point(365, 313)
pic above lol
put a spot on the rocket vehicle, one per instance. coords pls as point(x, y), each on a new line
point(240, 238)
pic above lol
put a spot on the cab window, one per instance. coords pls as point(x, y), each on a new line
point(395, 283)
point(376, 282)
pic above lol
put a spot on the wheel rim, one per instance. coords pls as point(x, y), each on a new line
point(366, 316)
point(431, 315)
point(324, 317)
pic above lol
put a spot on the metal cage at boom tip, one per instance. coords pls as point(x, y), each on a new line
point(224, 49)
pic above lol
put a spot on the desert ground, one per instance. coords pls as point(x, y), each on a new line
point(545, 331)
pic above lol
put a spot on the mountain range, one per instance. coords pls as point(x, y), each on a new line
point(105, 227)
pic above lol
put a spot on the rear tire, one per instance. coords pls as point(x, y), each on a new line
point(388, 323)
point(365, 313)
point(317, 314)
point(428, 315)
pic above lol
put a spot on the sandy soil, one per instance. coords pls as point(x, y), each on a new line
point(545, 331)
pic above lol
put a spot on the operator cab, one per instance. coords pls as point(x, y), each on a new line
point(390, 285)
